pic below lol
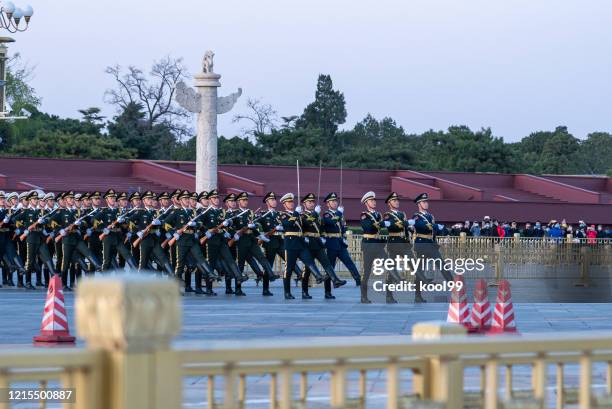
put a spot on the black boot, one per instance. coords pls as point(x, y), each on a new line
point(188, 289)
point(329, 296)
point(356, 277)
point(287, 288)
point(199, 291)
point(418, 299)
point(239, 291)
point(334, 277)
point(306, 296)
point(390, 299)
point(364, 294)
point(267, 293)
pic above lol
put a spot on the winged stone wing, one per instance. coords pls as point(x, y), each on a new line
point(225, 104)
point(188, 98)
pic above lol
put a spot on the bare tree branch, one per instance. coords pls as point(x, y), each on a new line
point(261, 117)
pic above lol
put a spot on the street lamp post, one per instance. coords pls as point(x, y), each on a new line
point(11, 17)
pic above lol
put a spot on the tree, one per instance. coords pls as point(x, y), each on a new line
point(20, 95)
point(238, 150)
point(558, 154)
point(153, 93)
point(328, 109)
point(261, 118)
point(596, 153)
point(58, 144)
point(92, 116)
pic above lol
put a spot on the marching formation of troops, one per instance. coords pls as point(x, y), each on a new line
point(185, 234)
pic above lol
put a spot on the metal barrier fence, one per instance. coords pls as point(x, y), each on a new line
point(130, 363)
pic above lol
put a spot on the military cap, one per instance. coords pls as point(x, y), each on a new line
point(32, 195)
point(421, 198)
point(287, 197)
point(67, 194)
point(212, 193)
point(49, 196)
point(109, 193)
point(163, 195)
point(134, 196)
point(23, 195)
point(2, 194)
point(78, 196)
point(148, 195)
point(331, 196)
point(269, 195)
point(203, 195)
point(368, 196)
point(95, 195)
point(122, 196)
point(231, 196)
point(11, 195)
point(392, 196)
point(176, 193)
point(309, 196)
point(41, 194)
point(184, 194)
point(194, 196)
point(242, 195)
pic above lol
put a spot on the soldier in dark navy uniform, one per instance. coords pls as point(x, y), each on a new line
point(334, 227)
point(372, 245)
point(291, 226)
point(425, 231)
point(315, 243)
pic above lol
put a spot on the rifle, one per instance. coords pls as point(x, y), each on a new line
point(172, 240)
point(244, 229)
point(297, 167)
point(113, 224)
point(319, 188)
point(35, 225)
point(147, 229)
point(340, 183)
point(73, 225)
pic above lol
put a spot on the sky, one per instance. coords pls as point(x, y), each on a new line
point(516, 66)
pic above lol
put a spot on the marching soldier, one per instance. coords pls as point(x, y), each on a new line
point(334, 227)
point(13, 261)
point(146, 225)
point(291, 226)
point(32, 222)
point(136, 201)
point(425, 231)
point(397, 240)
point(111, 222)
point(93, 230)
point(371, 243)
point(246, 238)
point(183, 226)
point(311, 227)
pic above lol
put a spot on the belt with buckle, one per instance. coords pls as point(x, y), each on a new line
point(307, 234)
point(371, 236)
point(293, 233)
point(424, 236)
point(397, 234)
point(333, 235)
point(188, 231)
point(277, 233)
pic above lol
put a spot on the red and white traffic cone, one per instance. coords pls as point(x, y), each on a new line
point(480, 319)
point(54, 326)
point(458, 309)
point(503, 316)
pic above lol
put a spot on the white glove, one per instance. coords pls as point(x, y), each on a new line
point(236, 237)
point(196, 235)
point(341, 209)
point(88, 232)
point(387, 223)
point(106, 232)
point(279, 227)
point(227, 235)
point(17, 231)
point(41, 220)
point(345, 241)
point(440, 226)
point(251, 225)
point(208, 235)
point(411, 222)
point(318, 209)
point(156, 222)
point(192, 224)
point(26, 232)
point(298, 209)
point(176, 236)
point(158, 233)
point(129, 235)
point(63, 233)
point(121, 219)
point(168, 236)
point(323, 240)
point(263, 237)
point(19, 206)
point(226, 223)
point(139, 234)
point(77, 223)
point(306, 240)
point(6, 219)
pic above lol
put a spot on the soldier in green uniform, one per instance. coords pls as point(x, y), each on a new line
point(92, 231)
point(315, 244)
point(109, 219)
point(372, 245)
point(145, 225)
point(182, 224)
point(68, 224)
point(246, 238)
point(398, 243)
point(32, 222)
point(135, 201)
point(175, 204)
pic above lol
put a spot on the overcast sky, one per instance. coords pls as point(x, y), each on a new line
point(514, 66)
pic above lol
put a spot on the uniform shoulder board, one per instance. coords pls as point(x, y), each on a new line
point(364, 215)
point(328, 214)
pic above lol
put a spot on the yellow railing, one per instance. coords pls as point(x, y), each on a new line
point(129, 362)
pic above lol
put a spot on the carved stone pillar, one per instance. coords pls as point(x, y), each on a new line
point(133, 319)
point(206, 142)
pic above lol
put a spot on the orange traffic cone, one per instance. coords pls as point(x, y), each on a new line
point(458, 309)
point(54, 326)
point(503, 317)
point(480, 319)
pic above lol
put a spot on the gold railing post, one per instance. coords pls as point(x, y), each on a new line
point(491, 399)
point(538, 379)
point(286, 390)
point(393, 391)
point(584, 394)
point(133, 319)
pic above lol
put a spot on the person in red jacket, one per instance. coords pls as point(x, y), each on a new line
point(591, 234)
